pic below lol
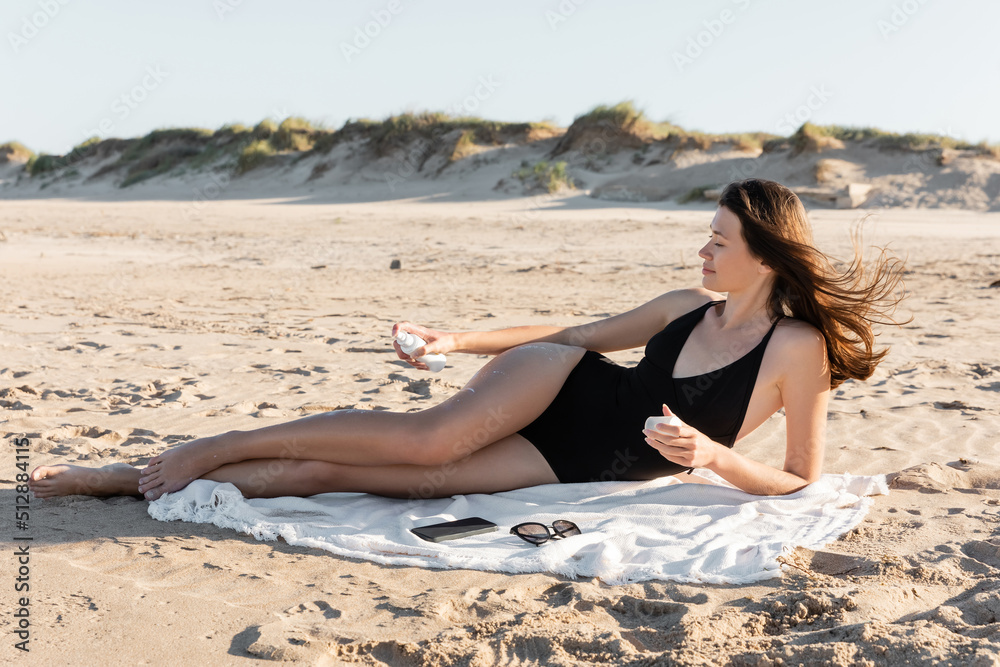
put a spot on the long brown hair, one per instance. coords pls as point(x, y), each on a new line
point(841, 303)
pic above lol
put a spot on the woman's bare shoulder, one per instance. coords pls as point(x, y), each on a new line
point(682, 301)
point(799, 341)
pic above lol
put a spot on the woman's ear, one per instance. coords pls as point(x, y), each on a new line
point(763, 268)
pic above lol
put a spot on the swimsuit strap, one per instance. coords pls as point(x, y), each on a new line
point(752, 375)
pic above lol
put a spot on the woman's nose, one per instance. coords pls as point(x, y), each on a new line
point(703, 253)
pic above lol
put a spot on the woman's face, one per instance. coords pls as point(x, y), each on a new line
point(728, 266)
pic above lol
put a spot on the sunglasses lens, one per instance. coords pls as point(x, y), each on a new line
point(565, 528)
point(533, 532)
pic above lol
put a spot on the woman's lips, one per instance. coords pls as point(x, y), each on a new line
point(706, 271)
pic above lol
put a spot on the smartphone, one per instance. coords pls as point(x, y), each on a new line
point(450, 530)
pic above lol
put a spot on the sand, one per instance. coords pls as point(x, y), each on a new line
point(133, 325)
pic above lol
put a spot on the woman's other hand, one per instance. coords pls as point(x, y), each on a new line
point(437, 342)
point(683, 445)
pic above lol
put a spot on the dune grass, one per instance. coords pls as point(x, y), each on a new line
point(45, 163)
point(157, 163)
point(552, 177)
point(464, 147)
point(908, 141)
point(254, 155)
point(625, 119)
point(623, 116)
point(246, 148)
point(15, 151)
point(294, 134)
point(695, 194)
point(398, 130)
point(156, 138)
point(264, 129)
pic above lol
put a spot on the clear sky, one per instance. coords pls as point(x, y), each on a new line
point(67, 66)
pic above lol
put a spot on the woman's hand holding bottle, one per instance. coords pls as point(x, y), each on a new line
point(436, 345)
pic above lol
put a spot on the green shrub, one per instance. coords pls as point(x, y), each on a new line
point(45, 163)
point(623, 115)
point(551, 177)
point(465, 146)
point(233, 128)
point(189, 135)
point(254, 155)
point(695, 194)
point(158, 163)
point(294, 134)
point(93, 141)
point(264, 129)
point(325, 141)
point(16, 151)
point(913, 141)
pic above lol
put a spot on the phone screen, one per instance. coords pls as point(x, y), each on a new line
point(450, 530)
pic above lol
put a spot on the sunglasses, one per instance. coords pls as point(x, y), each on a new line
point(538, 533)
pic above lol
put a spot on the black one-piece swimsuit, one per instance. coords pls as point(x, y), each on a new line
point(592, 430)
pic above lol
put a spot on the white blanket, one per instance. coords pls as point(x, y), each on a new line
point(632, 531)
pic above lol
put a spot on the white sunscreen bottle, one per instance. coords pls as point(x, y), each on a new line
point(651, 423)
point(670, 421)
point(408, 342)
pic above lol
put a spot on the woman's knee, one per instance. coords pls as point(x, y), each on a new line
point(441, 438)
point(314, 474)
point(436, 446)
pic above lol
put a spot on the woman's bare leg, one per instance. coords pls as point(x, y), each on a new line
point(511, 463)
point(116, 479)
point(504, 396)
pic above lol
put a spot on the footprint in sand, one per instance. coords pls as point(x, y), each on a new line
point(141, 436)
point(310, 408)
point(987, 552)
point(300, 635)
point(978, 370)
point(955, 405)
point(10, 397)
point(982, 608)
point(293, 371)
point(255, 409)
point(76, 347)
point(71, 431)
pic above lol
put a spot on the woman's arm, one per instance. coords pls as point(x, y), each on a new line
point(495, 342)
point(620, 332)
point(471, 342)
point(804, 386)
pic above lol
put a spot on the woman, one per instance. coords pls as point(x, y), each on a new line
point(550, 408)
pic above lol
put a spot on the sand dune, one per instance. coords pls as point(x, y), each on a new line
point(615, 155)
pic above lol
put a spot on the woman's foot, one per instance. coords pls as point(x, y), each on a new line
point(177, 467)
point(116, 479)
